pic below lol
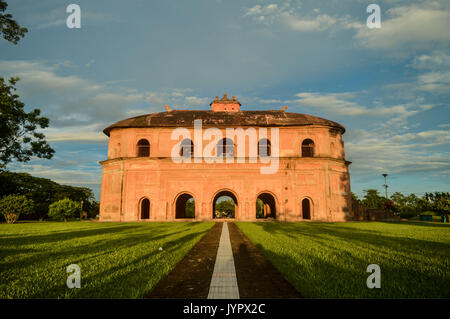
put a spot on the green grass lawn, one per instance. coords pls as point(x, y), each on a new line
point(329, 260)
point(117, 260)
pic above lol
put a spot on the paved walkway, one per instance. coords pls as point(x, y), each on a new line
point(224, 264)
point(191, 277)
point(223, 282)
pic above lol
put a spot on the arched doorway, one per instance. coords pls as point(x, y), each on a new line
point(225, 205)
point(145, 208)
point(265, 206)
point(306, 208)
point(185, 206)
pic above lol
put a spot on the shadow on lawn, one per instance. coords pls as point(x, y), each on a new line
point(421, 278)
point(102, 245)
point(68, 234)
point(121, 280)
point(358, 236)
point(55, 236)
point(320, 278)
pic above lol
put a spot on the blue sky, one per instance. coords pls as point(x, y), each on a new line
point(389, 87)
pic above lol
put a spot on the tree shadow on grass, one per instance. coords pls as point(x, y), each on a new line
point(355, 235)
point(138, 276)
point(56, 236)
point(130, 248)
point(324, 279)
point(102, 245)
point(424, 277)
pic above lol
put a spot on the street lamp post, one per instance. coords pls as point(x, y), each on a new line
point(385, 184)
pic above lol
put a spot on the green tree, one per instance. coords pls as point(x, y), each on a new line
point(259, 208)
point(45, 192)
point(399, 200)
point(355, 197)
point(94, 209)
point(190, 208)
point(12, 206)
point(438, 202)
point(372, 199)
point(225, 208)
point(64, 208)
point(10, 30)
point(18, 137)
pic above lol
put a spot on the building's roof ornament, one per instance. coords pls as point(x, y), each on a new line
point(225, 104)
point(225, 99)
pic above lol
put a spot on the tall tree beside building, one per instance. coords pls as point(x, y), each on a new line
point(19, 139)
point(10, 30)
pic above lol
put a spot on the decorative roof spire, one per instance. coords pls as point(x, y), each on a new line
point(225, 104)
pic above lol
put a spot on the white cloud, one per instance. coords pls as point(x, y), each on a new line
point(414, 26)
point(432, 61)
point(197, 101)
point(405, 26)
point(284, 14)
point(420, 152)
point(430, 74)
point(319, 22)
point(77, 136)
point(79, 108)
point(178, 98)
point(435, 81)
point(342, 104)
point(78, 176)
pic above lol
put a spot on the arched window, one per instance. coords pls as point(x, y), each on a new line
point(187, 148)
point(225, 147)
point(143, 148)
point(264, 147)
point(308, 148)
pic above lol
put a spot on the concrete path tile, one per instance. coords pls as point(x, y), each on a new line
point(223, 282)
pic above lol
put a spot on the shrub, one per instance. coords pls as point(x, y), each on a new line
point(408, 212)
point(64, 208)
point(12, 206)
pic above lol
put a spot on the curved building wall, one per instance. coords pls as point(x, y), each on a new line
point(323, 179)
